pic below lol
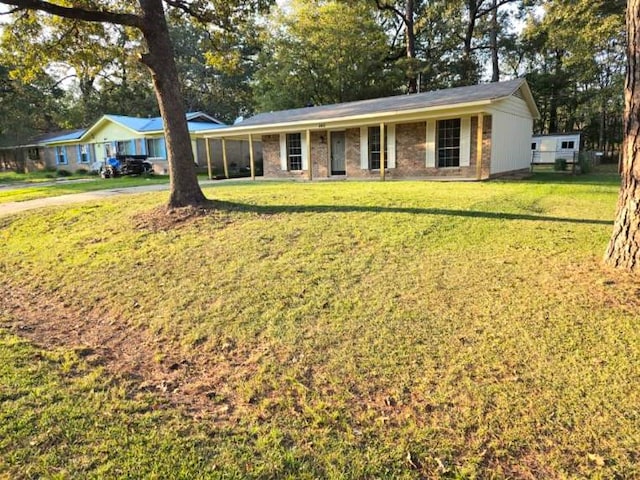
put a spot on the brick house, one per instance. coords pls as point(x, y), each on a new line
point(474, 132)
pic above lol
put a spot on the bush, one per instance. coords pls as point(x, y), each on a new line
point(63, 173)
point(560, 165)
point(584, 163)
point(82, 171)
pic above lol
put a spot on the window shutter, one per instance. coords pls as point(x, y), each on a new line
point(391, 147)
point(79, 154)
point(305, 154)
point(132, 147)
point(194, 148)
point(465, 141)
point(143, 146)
point(163, 148)
point(364, 148)
point(283, 151)
point(431, 144)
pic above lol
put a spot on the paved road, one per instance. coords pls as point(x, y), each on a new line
point(10, 208)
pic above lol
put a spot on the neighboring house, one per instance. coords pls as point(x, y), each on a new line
point(29, 155)
point(120, 135)
point(548, 148)
point(468, 133)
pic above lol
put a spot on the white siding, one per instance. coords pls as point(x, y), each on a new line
point(550, 147)
point(512, 125)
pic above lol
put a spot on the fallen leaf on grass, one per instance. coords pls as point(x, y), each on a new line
point(597, 459)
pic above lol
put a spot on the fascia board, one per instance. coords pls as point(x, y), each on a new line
point(350, 122)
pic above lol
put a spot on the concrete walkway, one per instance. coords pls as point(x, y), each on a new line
point(10, 208)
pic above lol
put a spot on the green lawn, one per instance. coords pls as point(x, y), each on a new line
point(323, 330)
point(88, 184)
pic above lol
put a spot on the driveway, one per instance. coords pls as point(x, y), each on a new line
point(10, 208)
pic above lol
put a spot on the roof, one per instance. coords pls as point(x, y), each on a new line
point(197, 121)
point(565, 134)
point(400, 103)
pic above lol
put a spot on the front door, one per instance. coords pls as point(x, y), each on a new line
point(337, 153)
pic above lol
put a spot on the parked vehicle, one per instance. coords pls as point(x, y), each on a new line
point(126, 165)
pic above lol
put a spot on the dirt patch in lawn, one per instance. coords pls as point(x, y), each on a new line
point(164, 218)
point(143, 362)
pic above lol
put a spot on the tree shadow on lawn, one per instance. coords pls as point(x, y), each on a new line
point(275, 209)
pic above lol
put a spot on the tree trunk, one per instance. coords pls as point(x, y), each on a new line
point(493, 43)
point(556, 87)
point(468, 73)
point(184, 187)
point(411, 45)
point(624, 247)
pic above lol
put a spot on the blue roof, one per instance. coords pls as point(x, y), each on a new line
point(154, 124)
point(139, 125)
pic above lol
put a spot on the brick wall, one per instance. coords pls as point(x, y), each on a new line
point(410, 154)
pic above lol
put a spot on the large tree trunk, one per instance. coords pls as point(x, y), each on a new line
point(184, 187)
point(624, 247)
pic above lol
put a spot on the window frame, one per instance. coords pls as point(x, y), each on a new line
point(373, 140)
point(294, 152)
point(449, 143)
point(61, 153)
point(85, 154)
point(154, 147)
point(567, 145)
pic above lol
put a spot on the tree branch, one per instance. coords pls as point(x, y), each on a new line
point(391, 8)
point(188, 9)
point(77, 13)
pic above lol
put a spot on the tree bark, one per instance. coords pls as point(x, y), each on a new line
point(411, 45)
point(493, 43)
point(624, 247)
point(184, 187)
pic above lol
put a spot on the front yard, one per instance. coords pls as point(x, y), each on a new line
point(324, 330)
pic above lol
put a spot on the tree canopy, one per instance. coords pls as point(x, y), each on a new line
point(232, 62)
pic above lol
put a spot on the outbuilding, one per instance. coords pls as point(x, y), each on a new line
point(546, 149)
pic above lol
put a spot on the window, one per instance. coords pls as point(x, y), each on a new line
point(294, 151)
point(156, 148)
point(374, 148)
point(84, 154)
point(533, 146)
point(61, 155)
point(126, 147)
point(567, 145)
point(448, 143)
point(34, 153)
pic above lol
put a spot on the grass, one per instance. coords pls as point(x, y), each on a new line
point(91, 184)
point(346, 330)
point(9, 177)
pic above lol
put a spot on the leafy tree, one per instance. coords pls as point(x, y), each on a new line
point(574, 60)
point(27, 109)
point(147, 18)
point(215, 73)
point(321, 53)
